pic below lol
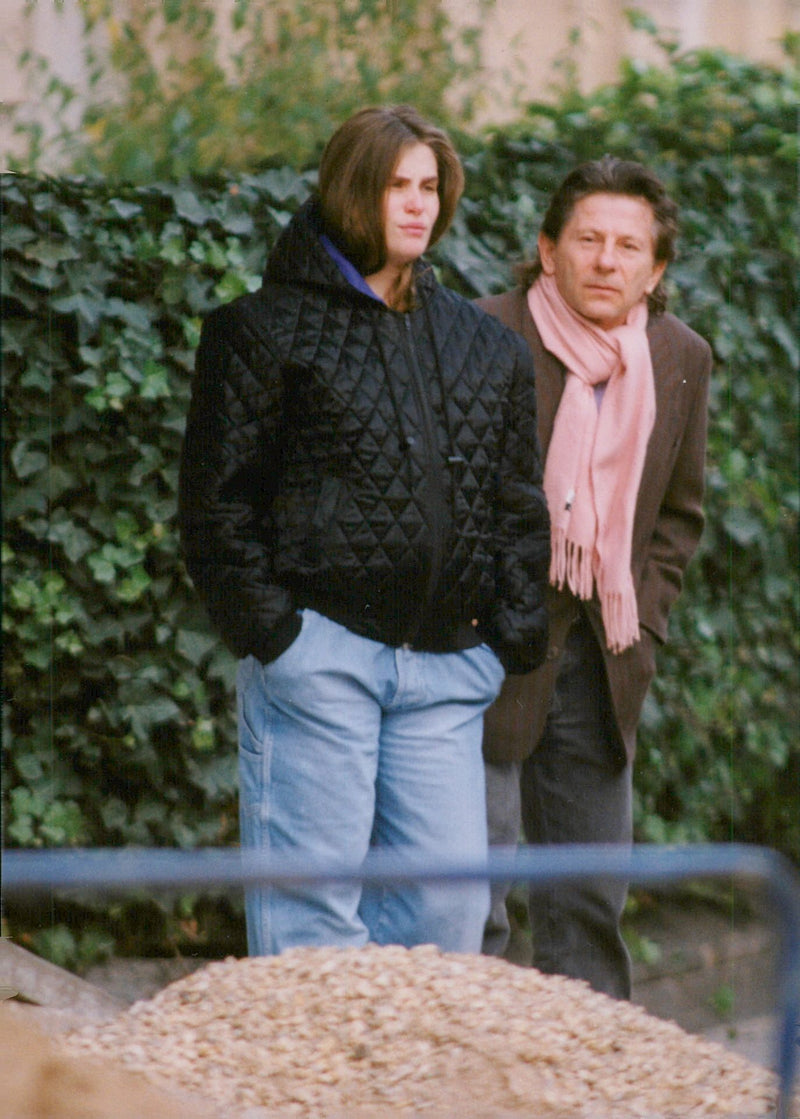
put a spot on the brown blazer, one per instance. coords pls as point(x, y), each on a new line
point(667, 527)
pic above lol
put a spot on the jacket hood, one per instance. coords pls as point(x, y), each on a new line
point(299, 257)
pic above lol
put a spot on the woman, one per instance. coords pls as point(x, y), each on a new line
point(361, 511)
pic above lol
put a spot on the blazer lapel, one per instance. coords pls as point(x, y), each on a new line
point(668, 378)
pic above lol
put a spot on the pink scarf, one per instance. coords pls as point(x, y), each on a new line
point(595, 459)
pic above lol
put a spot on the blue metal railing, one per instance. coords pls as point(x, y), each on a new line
point(112, 870)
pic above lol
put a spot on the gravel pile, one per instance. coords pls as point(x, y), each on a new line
point(377, 1031)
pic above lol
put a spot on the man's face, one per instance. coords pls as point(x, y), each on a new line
point(603, 261)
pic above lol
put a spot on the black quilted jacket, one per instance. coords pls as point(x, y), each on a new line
point(379, 467)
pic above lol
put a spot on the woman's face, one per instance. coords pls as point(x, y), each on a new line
point(410, 205)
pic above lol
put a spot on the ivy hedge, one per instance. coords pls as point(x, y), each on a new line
point(118, 717)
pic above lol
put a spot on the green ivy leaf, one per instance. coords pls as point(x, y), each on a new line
point(194, 645)
point(134, 586)
point(125, 209)
point(742, 526)
point(74, 540)
point(234, 284)
point(155, 382)
point(63, 823)
point(27, 460)
point(56, 944)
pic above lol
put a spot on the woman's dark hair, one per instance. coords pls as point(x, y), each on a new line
point(355, 170)
point(611, 176)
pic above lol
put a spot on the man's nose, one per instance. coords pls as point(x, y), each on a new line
point(606, 256)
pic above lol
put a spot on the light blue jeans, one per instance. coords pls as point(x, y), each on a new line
point(345, 744)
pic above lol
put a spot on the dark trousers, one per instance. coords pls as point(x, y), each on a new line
point(576, 788)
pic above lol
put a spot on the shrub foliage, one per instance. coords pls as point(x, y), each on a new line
point(119, 713)
point(187, 87)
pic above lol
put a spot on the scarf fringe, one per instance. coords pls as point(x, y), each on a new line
point(620, 619)
point(571, 565)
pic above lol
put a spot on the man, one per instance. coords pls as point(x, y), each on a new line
point(622, 411)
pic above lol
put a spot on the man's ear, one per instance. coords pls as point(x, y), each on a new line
point(546, 248)
point(659, 269)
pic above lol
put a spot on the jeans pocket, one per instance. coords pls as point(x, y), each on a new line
point(253, 716)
